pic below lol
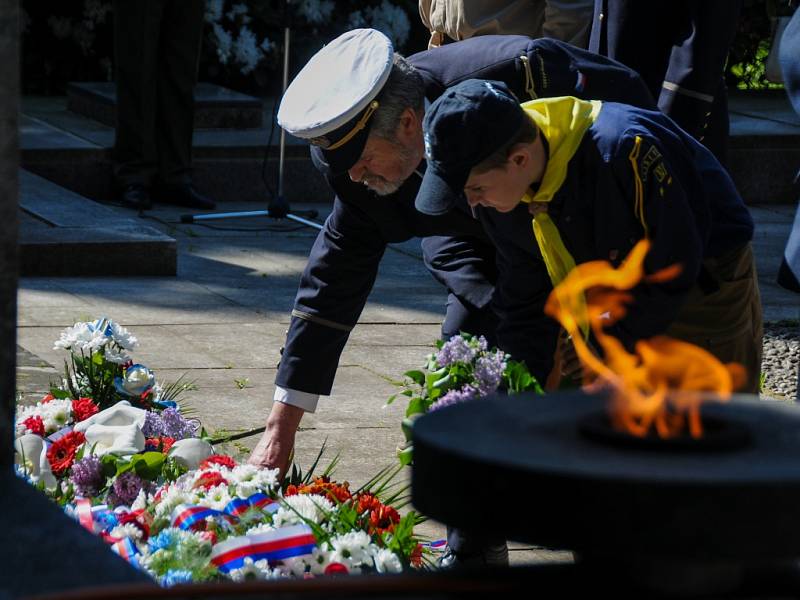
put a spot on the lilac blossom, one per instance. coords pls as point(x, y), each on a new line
point(175, 426)
point(125, 489)
point(458, 349)
point(87, 476)
point(452, 397)
point(153, 426)
point(489, 372)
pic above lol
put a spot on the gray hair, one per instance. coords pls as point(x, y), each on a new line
point(404, 89)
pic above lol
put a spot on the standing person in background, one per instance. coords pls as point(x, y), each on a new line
point(453, 20)
point(789, 273)
point(156, 52)
point(679, 47)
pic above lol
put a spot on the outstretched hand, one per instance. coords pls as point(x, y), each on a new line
point(274, 449)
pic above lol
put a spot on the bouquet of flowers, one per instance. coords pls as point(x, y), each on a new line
point(139, 474)
point(463, 368)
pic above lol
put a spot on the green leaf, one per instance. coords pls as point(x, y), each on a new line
point(148, 465)
point(417, 377)
point(416, 406)
point(406, 455)
point(60, 394)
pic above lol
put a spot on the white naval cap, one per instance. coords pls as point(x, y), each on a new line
point(331, 100)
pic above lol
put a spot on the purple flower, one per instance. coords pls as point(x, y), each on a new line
point(489, 372)
point(175, 426)
point(87, 476)
point(458, 349)
point(153, 427)
point(455, 397)
point(125, 489)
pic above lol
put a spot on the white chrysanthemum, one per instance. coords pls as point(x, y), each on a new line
point(319, 560)
point(352, 549)
point(119, 357)
point(214, 10)
point(295, 566)
point(247, 51)
point(254, 571)
point(55, 414)
point(315, 11)
point(260, 528)
point(141, 501)
point(122, 337)
point(236, 10)
point(250, 479)
point(224, 43)
point(171, 498)
point(128, 530)
point(302, 507)
point(387, 561)
point(81, 337)
point(216, 497)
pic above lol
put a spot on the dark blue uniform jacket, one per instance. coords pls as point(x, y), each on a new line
point(344, 260)
point(692, 211)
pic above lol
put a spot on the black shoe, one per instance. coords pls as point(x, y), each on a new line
point(135, 195)
point(183, 195)
point(493, 556)
point(786, 278)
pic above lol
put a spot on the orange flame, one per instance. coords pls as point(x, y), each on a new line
point(641, 383)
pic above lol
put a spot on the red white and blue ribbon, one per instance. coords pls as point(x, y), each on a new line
point(127, 550)
point(278, 544)
point(438, 545)
point(57, 435)
point(94, 518)
point(193, 517)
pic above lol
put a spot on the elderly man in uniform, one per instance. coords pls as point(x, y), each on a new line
point(361, 106)
point(598, 177)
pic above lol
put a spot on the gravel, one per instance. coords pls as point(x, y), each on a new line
point(779, 366)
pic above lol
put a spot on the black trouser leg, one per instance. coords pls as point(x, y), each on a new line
point(137, 24)
point(181, 36)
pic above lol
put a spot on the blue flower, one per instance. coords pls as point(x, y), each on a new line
point(176, 576)
point(164, 539)
point(137, 380)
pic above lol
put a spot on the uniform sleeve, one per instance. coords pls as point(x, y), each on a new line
point(337, 280)
point(696, 66)
point(650, 200)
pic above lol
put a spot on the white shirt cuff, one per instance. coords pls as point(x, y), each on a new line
point(304, 400)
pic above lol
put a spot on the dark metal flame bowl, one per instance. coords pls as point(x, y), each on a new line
point(520, 466)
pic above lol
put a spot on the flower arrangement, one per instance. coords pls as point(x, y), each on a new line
point(463, 368)
point(135, 471)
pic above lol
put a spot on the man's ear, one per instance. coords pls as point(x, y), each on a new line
point(410, 124)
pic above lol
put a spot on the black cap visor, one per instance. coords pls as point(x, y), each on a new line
point(438, 193)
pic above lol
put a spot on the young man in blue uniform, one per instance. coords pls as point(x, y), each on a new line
point(361, 105)
point(597, 178)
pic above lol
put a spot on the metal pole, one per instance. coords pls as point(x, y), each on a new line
point(278, 205)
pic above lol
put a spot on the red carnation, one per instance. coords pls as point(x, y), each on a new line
point(83, 408)
point(35, 425)
point(156, 444)
point(62, 453)
point(218, 459)
point(416, 556)
point(48, 398)
point(210, 479)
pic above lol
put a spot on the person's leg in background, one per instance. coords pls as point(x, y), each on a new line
point(181, 36)
point(137, 25)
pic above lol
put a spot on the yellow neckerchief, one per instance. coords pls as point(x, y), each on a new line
point(563, 121)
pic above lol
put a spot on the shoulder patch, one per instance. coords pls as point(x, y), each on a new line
point(650, 158)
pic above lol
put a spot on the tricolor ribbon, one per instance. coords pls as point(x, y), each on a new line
point(96, 519)
point(264, 502)
point(438, 545)
point(57, 435)
point(189, 517)
point(286, 542)
point(127, 550)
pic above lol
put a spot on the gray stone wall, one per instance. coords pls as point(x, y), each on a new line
point(9, 163)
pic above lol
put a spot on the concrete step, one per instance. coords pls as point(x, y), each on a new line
point(64, 234)
point(76, 152)
point(216, 107)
